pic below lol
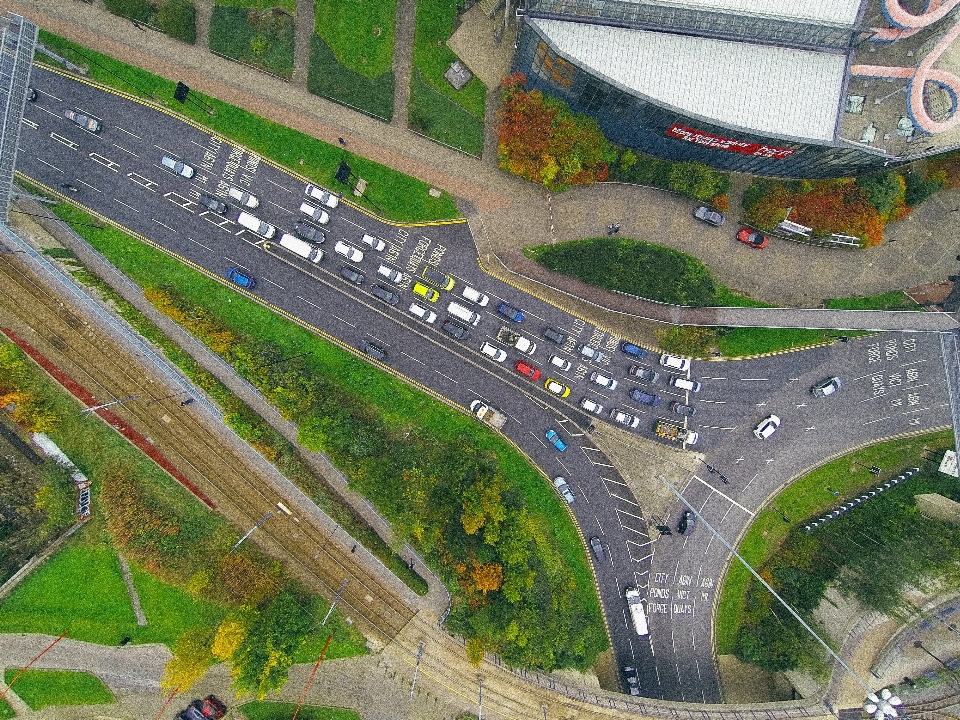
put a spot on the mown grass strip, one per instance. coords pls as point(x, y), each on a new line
point(42, 688)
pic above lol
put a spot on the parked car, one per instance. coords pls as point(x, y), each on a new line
point(560, 362)
point(681, 409)
point(633, 682)
point(555, 336)
point(314, 213)
point(641, 396)
point(444, 282)
point(428, 316)
point(426, 292)
point(510, 311)
point(590, 406)
point(373, 242)
point(596, 547)
point(309, 232)
point(708, 215)
point(84, 121)
point(389, 297)
point(324, 197)
point(564, 489)
point(603, 380)
point(453, 328)
point(826, 387)
point(685, 384)
point(554, 437)
point(767, 427)
point(556, 388)
point(475, 296)
point(619, 416)
point(348, 251)
point(212, 204)
point(633, 350)
point(756, 240)
point(591, 353)
point(391, 274)
point(675, 363)
point(688, 521)
point(644, 373)
point(374, 351)
point(525, 368)
point(493, 352)
point(244, 198)
point(31, 94)
point(241, 279)
point(351, 274)
point(177, 167)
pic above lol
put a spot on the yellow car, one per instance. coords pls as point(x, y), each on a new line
point(556, 388)
point(444, 282)
point(426, 292)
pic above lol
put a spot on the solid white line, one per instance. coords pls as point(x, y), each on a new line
point(49, 165)
point(726, 497)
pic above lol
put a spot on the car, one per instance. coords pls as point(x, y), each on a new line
point(767, 427)
point(556, 388)
point(374, 351)
point(348, 251)
point(596, 547)
point(176, 166)
point(212, 204)
point(644, 373)
point(708, 215)
point(373, 242)
point(685, 384)
point(560, 362)
point(493, 352)
point(603, 380)
point(431, 275)
point(564, 489)
point(630, 673)
point(84, 121)
point(309, 232)
point(391, 274)
point(241, 279)
point(591, 406)
point(324, 197)
point(554, 437)
point(826, 387)
point(314, 213)
point(352, 274)
point(475, 296)
point(510, 311)
point(453, 328)
point(645, 398)
point(428, 316)
point(31, 94)
point(555, 336)
point(426, 292)
point(379, 291)
point(591, 353)
point(688, 521)
point(210, 708)
point(756, 240)
point(681, 409)
point(619, 416)
point(675, 363)
point(633, 350)
point(244, 198)
point(525, 368)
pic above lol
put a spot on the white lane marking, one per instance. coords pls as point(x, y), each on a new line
point(64, 141)
point(105, 161)
point(125, 205)
point(164, 225)
point(447, 377)
point(30, 123)
point(723, 495)
point(130, 152)
point(200, 244)
point(413, 358)
point(49, 165)
point(122, 129)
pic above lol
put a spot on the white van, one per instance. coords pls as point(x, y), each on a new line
point(475, 296)
point(374, 242)
point(428, 316)
point(244, 198)
point(463, 313)
point(301, 248)
point(255, 224)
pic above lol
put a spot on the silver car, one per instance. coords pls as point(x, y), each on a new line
point(767, 427)
point(564, 489)
point(177, 167)
point(826, 387)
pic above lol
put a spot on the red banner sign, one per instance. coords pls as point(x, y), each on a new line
point(717, 142)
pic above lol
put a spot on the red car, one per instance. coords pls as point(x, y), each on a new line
point(753, 239)
point(525, 368)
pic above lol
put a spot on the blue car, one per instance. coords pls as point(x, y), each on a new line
point(638, 395)
point(510, 311)
point(632, 350)
point(555, 438)
point(241, 279)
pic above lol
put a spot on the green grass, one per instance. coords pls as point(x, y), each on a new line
point(42, 688)
point(6, 712)
point(328, 78)
point(740, 342)
point(441, 119)
point(269, 46)
point(398, 197)
point(725, 297)
point(895, 300)
point(289, 5)
point(268, 710)
point(435, 19)
point(349, 29)
point(807, 497)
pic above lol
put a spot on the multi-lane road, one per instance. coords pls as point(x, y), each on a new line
point(892, 384)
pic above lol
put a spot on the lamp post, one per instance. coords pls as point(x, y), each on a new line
point(953, 675)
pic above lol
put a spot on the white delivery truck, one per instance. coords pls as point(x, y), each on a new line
point(301, 248)
point(637, 612)
point(255, 224)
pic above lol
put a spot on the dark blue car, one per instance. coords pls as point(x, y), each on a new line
point(510, 311)
point(638, 395)
point(241, 279)
point(632, 350)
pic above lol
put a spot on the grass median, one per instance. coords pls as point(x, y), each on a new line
point(43, 688)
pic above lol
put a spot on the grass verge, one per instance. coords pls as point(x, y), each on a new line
point(804, 498)
point(895, 300)
point(441, 119)
point(289, 5)
point(360, 33)
point(42, 688)
point(263, 39)
point(399, 197)
point(6, 712)
point(328, 78)
point(268, 710)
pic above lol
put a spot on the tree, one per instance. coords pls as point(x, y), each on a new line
point(230, 634)
point(191, 658)
point(884, 190)
point(488, 577)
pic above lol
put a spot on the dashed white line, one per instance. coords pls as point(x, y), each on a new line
point(278, 185)
point(127, 206)
point(200, 244)
point(447, 377)
point(130, 152)
point(128, 132)
point(164, 225)
point(280, 207)
point(342, 320)
point(49, 165)
point(415, 359)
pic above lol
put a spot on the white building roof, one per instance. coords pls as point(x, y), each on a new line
point(832, 12)
point(771, 90)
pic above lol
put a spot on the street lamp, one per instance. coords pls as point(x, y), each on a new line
point(919, 644)
point(884, 706)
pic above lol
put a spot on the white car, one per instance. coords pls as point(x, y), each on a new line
point(564, 489)
point(177, 167)
point(428, 316)
point(475, 296)
point(348, 251)
point(603, 380)
point(374, 242)
point(559, 362)
point(675, 363)
point(591, 353)
point(767, 427)
point(618, 416)
point(684, 384)
point(314, 213)
point(493, 352)
point(244, 198)
point(590, 406)
point(390, 273)
point(324, 197)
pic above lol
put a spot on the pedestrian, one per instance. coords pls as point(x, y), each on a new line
point(342, 142)
point(616, 228)
point(186, 402)
point(610, 229)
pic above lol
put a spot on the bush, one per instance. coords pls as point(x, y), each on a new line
point(919, 187)
point(178, 19)
point(884, 191)
point(133, 9)
point(689, 341)
point(260, 38)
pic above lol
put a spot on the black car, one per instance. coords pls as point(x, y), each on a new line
point(688, 522)
point(309, 232)
point(354, 276)
point(708, 215)
point(680, 409)
point(555, 336)
point(31, 94)
point(453, 328)
point(644, 373)
point(388, 297)
point(212, 204)
point(597, 547)
point(374, 351)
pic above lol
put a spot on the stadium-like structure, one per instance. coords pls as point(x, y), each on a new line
point(789, 88)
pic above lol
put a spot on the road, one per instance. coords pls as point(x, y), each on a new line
point(117, 174)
